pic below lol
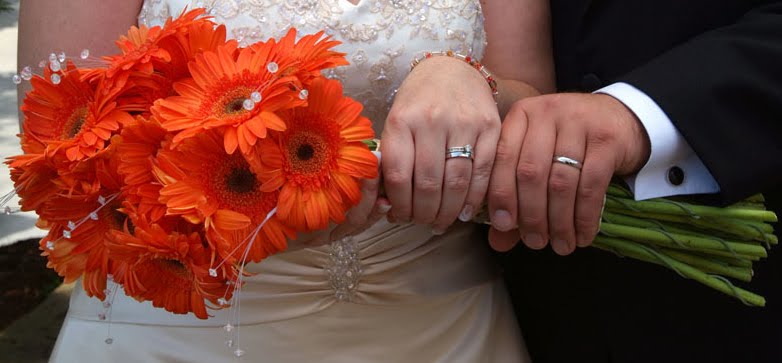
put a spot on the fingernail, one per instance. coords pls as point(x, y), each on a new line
point(502, 220)
point(383, 208)
point(560, 246)
point(466, 214)
point(534, 240)
point(437, 231)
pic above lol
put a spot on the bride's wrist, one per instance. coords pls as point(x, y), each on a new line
point(472, 62)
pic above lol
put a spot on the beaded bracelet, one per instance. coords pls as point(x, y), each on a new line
point(471, 61)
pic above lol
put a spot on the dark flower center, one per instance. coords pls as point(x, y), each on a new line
point(235, 106)
point(174, 266)
point(308, 152)
point(305, 152)
point(75, 123)
point(240, 180)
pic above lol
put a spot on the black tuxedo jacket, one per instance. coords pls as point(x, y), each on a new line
point(715, 68)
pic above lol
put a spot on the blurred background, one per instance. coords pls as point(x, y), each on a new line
point(32, 302)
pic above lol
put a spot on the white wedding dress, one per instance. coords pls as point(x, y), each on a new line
point(394, 293)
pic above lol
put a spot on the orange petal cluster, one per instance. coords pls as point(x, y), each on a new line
point(185, 157)
point(318, 161)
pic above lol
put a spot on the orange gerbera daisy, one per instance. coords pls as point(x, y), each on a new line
point(182, 48)
point(168, 268)
point(141, 46)
point(137, 145)
point(221, 86)
point(75, 116)
point(33, 174)
point(312, 54)
point(204, 184)
point(318, 160)
point(84, 253)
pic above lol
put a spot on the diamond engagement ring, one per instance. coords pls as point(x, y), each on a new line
point(459, 152)
point(568, 161)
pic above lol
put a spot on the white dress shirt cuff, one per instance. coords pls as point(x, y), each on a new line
point(669, 150)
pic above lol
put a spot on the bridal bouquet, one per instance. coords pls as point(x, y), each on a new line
point(170, 165)
point(167, 167)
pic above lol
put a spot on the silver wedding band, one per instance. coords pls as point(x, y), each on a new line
point(568, 161)
point(459, 152)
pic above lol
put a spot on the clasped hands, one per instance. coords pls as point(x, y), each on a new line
point(444, 104)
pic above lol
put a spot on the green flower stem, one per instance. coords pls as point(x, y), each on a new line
point(616, 190)
point(645, 253)
point(727, 254)
point(731, 261)
point(652, 224)
point(680, 241)
point(747, 205)
point(733, 228)
point(710, 266)
point(642, 221)
point(685, 209)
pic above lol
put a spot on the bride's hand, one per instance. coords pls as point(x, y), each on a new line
point(443, 103)
point(369, 210)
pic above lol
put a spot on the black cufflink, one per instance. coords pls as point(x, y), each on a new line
point(675, 176)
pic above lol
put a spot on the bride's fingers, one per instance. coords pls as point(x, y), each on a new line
point(483, 162)
point(379, 211)
point(398, 150)
point(458, 172)
point(428, 175)
point(357, 216)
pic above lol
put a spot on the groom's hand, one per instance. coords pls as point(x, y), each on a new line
point(537, 199)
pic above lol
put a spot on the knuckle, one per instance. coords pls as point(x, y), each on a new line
point(559, 183)
point(602, 136)
point(396, 117)
point(591, 192)
point(502, 195)
point(532, 223)
point(528, 172)
point(457, 183)
point(481, 171)
point(546, 103)
point(586, 225)
point(396, 178)
point(505, 151)
point(489, 121)
point(428, 184)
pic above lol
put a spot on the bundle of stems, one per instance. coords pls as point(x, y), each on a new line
point(710, 245)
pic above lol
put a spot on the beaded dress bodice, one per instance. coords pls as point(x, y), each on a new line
point(380, 37)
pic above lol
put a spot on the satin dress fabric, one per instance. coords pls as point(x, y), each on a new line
point(394, 293)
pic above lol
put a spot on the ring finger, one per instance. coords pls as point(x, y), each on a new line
point(428, 175)
point(563, 183)
point(458, 172)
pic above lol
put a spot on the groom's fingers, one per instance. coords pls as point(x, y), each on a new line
point(595, 177)
point(502, 193)
point(503, 241)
